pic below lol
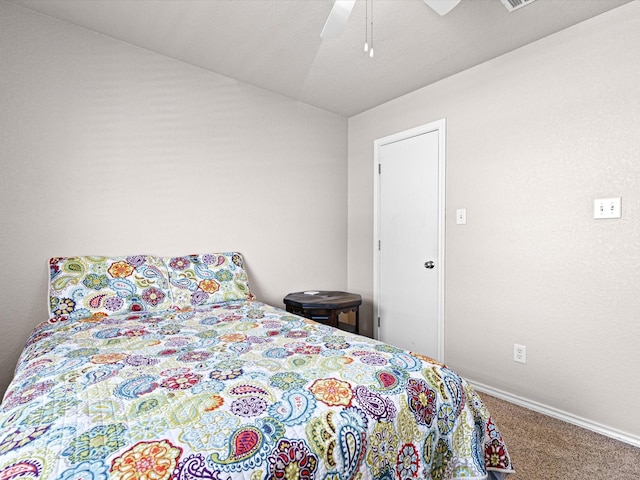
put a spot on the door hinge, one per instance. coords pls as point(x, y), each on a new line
point(378, 244)
point(378, 322)
point(379, 168)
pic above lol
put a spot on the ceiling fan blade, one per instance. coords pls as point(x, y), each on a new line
point(337, 18)
point(442, 7)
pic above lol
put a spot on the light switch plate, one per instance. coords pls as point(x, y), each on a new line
point(607, 208)
point(461, 216)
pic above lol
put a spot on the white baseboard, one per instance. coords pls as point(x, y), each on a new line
point(559, 414)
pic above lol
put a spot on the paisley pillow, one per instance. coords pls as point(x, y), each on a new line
point(86, 286)
point(207, 279)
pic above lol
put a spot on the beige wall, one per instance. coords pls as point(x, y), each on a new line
point(533, 137)
point(106, 148)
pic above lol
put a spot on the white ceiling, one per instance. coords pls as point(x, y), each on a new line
point(276, 44)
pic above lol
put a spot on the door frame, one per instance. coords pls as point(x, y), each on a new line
point(440, 127)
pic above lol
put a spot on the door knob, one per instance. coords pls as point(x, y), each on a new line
point(429, 265)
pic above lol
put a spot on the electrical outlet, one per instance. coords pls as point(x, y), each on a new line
point(519, 353)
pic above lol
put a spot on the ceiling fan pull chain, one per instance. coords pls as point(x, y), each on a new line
point(371, 49)
point(366, 25)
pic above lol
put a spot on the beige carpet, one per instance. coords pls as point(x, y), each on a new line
point(544, 448)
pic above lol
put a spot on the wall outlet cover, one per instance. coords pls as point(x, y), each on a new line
point(519, 353)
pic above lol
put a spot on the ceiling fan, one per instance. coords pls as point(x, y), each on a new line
point(341, 10)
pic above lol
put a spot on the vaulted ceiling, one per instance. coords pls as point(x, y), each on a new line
point(276, 44)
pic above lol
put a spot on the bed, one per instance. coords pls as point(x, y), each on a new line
point(168, 368)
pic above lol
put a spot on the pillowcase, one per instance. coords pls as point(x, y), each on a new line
point(85, 286)
point(207, 279)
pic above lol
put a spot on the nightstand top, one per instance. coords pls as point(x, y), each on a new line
point(323, 299)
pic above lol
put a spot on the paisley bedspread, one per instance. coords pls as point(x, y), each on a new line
point(237, 390)
point(159, 368)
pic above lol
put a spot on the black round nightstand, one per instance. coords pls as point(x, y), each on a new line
point(324, 306)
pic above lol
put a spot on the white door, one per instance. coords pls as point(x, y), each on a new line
point(410, 247)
